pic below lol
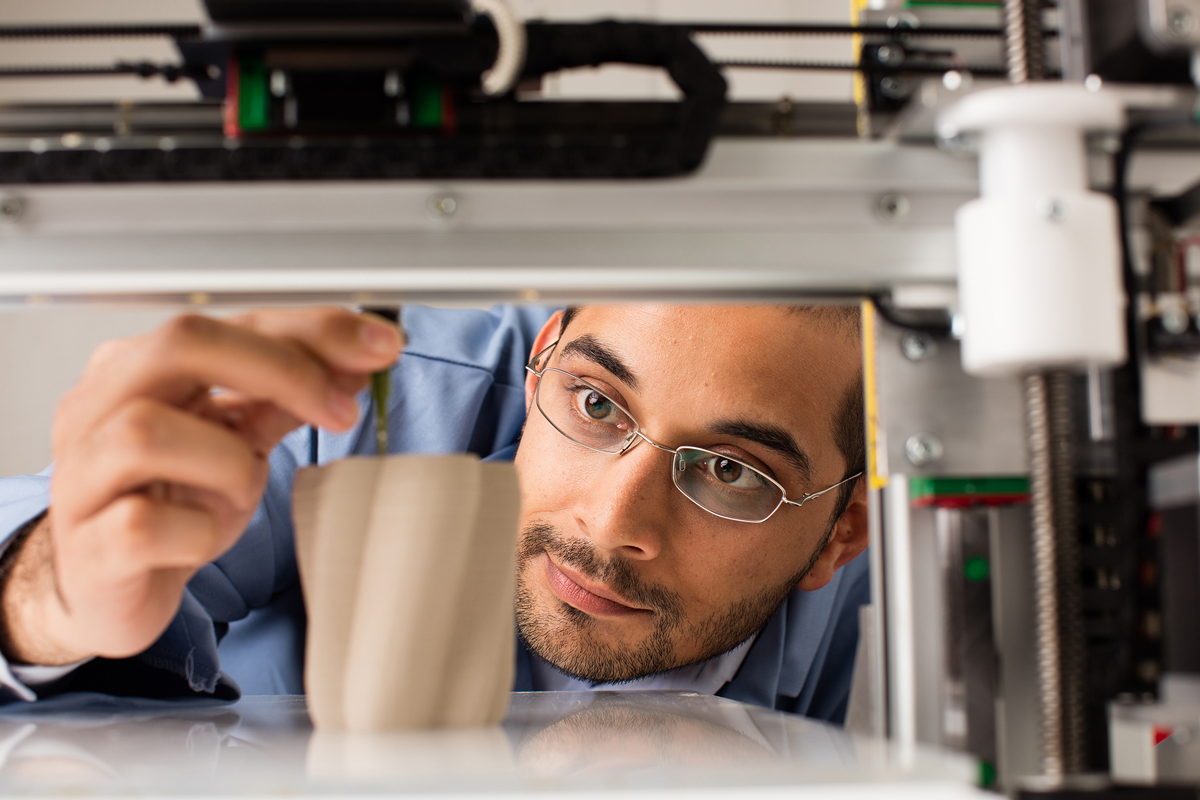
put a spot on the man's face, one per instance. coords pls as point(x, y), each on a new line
point(619, 574)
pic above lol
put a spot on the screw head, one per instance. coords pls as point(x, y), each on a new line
point(11, 209)
point(923, 448)
point(1052, 209)
point(917, 346)
point(890, 54)
point(1174, 320)
point(1181, 20)
point(892, 205)
point(443, 206)
point(894, 87)
point(905, 19)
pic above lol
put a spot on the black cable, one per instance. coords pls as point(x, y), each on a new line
point(888, 311)
point(144, 69)
point(1120, 193)
point(873, 69)
point(89, 31)
point(802, 29)
point(821, 29)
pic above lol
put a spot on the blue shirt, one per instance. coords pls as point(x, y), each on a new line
point(458, 388)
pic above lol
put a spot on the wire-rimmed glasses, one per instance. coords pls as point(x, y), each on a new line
point(717, 482)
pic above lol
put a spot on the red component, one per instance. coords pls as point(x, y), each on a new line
point(1149, 574)
point(969, 500)
point(232, 128)
point(1161, 733)
point(449, 121)
point(1154, 525)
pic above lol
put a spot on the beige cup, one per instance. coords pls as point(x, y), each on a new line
point(408, 569)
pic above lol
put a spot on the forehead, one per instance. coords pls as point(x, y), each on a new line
point(786, 366)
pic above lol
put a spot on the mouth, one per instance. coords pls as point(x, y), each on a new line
point(591, 598)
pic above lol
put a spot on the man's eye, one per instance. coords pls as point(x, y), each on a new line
point(731, 473)
point(596, 406)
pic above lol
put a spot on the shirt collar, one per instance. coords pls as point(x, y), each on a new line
point(706, 677)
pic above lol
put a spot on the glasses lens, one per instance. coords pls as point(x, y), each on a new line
point(725, 486)
point(583, 413)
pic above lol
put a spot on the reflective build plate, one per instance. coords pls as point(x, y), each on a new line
point(634, 743)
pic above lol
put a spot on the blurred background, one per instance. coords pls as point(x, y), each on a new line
point(43, 350)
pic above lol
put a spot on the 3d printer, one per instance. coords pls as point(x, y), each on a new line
point(1035, 522)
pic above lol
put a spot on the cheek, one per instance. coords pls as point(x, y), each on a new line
point(730, 568)
point(550, 475)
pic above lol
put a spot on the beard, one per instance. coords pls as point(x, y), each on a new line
point(569, 640)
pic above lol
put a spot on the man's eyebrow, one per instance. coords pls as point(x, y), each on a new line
point(591, 348)
point(771, 436)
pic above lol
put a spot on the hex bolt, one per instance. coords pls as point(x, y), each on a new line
point(11, 209)
point(892, 205)
point(923, 448)
point(443, 206)
point(917, 346)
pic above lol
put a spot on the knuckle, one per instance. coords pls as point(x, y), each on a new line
point(185, 331)
point(105, 355)
point(337, 322)
point(140, 427)
point(135, 519)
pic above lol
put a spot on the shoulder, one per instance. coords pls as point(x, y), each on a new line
point(496, 340)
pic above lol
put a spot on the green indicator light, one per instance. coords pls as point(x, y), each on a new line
point(977, 569)
point(254, 99)
point(427, 105)
point(987, 774)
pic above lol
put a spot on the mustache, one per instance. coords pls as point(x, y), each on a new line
point(616, 573)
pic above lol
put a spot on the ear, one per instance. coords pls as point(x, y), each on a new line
point(850, 536)
point(549, 332)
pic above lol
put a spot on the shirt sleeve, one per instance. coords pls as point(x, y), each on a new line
point(23, 500)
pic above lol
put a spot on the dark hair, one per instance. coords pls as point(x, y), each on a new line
point(849, 423)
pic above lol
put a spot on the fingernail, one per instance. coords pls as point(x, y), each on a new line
point(344, 407)
point(380, 339)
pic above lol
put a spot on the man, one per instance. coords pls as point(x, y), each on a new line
point(691, 508)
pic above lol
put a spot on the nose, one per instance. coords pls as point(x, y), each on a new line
point(626, 508)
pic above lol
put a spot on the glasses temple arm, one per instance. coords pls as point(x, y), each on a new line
point(538, 357)
point(815, 495)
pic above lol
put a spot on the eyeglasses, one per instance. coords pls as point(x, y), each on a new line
point(718, 483)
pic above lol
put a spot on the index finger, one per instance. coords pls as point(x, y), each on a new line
point(345, 341)
point(290, 359)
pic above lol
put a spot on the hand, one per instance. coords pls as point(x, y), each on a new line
point(156, 475)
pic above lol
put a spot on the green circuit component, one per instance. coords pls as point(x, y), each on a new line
point(965, 492)
point(427, 105)
point(254, 96)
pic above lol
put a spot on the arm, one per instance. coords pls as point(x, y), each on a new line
point(156, 477)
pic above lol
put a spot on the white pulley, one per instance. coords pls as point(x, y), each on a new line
point(1039, 254)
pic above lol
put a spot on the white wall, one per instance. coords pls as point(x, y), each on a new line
point(42, 351)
